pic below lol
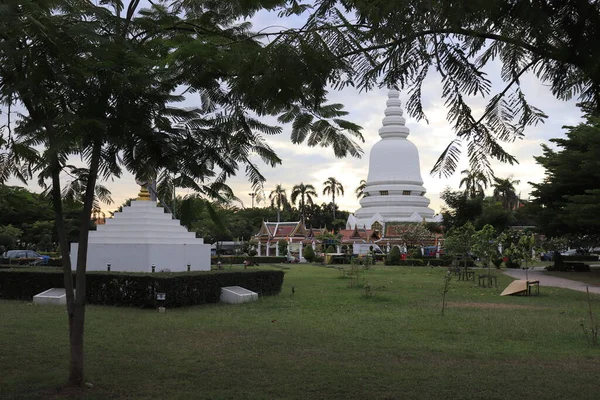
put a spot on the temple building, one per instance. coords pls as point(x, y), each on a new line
point(294, 233)
point(394, 189)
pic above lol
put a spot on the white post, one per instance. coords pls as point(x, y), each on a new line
point(259, 249)
point(277, 250)
point(338, 248)
point(301, 255)
point(268, 248)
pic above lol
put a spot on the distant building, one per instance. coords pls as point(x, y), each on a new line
point(294, 233)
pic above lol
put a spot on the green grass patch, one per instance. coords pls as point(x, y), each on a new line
point(323, 339)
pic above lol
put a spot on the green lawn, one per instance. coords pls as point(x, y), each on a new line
point(325, 341)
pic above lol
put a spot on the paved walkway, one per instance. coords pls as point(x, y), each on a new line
point(537, 274)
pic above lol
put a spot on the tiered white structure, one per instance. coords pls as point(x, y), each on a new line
point(143, 235)
point(394, 189)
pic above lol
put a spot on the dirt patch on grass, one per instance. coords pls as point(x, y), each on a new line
point(490, 305)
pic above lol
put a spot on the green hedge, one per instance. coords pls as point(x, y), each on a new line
point(139, 290)
point(240, 259)
point(579, 258)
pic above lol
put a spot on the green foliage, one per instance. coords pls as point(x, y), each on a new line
point(330, 249)
point(567, 201)
point(459, 241)
point(309, 253)
point(282, 245)
point(332, 186)
point(139, 290)
point(393, 257)
point(402, 43)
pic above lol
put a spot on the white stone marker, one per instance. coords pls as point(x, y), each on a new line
point(237, 294)
point(51, 296)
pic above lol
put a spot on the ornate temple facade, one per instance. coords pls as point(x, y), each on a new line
point(294, 233)
point(394, 189)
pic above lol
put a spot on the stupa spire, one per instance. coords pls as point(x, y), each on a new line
point(394, 124)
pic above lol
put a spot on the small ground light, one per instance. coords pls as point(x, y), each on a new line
point(108, 267)
point(153, 267)
point(161, 297)
point(189, 267)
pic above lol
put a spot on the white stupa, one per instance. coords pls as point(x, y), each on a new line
point(143, 235)
point(394, 191)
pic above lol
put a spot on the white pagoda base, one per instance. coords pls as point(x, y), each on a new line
point(140, 236)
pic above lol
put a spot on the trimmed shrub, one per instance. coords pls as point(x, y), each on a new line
point(394, 257)
point(240, 259)
point(309, 253)
point(330, 249)
point(510, 263)
point(139, 290)
point(282, 246)
point(579, 258)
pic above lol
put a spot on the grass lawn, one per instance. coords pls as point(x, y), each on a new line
point(325, 341)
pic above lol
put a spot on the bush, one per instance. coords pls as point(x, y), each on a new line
point(394, 257)
point(409, 262)
point(330, 249)
point(309, 253)
point(510, 263)
point(139, 290)
point(579, 258)
point(282, 246)
point(240, 259)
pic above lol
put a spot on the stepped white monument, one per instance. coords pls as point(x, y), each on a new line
point(394, 190)
point(142, 236)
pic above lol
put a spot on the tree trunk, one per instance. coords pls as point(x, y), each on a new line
point(77, 316)
point(333, 202)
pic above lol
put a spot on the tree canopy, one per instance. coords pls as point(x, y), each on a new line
point(382, 43)
point(566, 202)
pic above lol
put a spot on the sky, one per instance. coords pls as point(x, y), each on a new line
point(301, 163)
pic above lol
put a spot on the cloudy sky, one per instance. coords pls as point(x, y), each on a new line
point(315, 165)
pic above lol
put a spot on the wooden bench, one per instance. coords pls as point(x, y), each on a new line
point(466, 276)
point(488, 280)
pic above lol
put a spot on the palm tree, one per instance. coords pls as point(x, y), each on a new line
point(333, 186)
point(279, 199)
point(475, 183)
point(504, 191)
point(305, 192)
point(360, 189)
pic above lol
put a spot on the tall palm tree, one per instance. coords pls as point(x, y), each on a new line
point(475, 183)
point(333, 187)
point(505, 192)
point(278, 199)
point(360, 189)
point(305, 192)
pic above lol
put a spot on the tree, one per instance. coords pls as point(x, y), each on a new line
point(8, 237)
point(475, 183)
point(566, 202)
point(360, 193)
point(278, 199)
point(305, 193)
point(401, 43)
point(505, 192)
point(485, 245)
point(99, 82)
point(309, 253)
point(459, 241)
point(459, 208)
point(333, 187)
